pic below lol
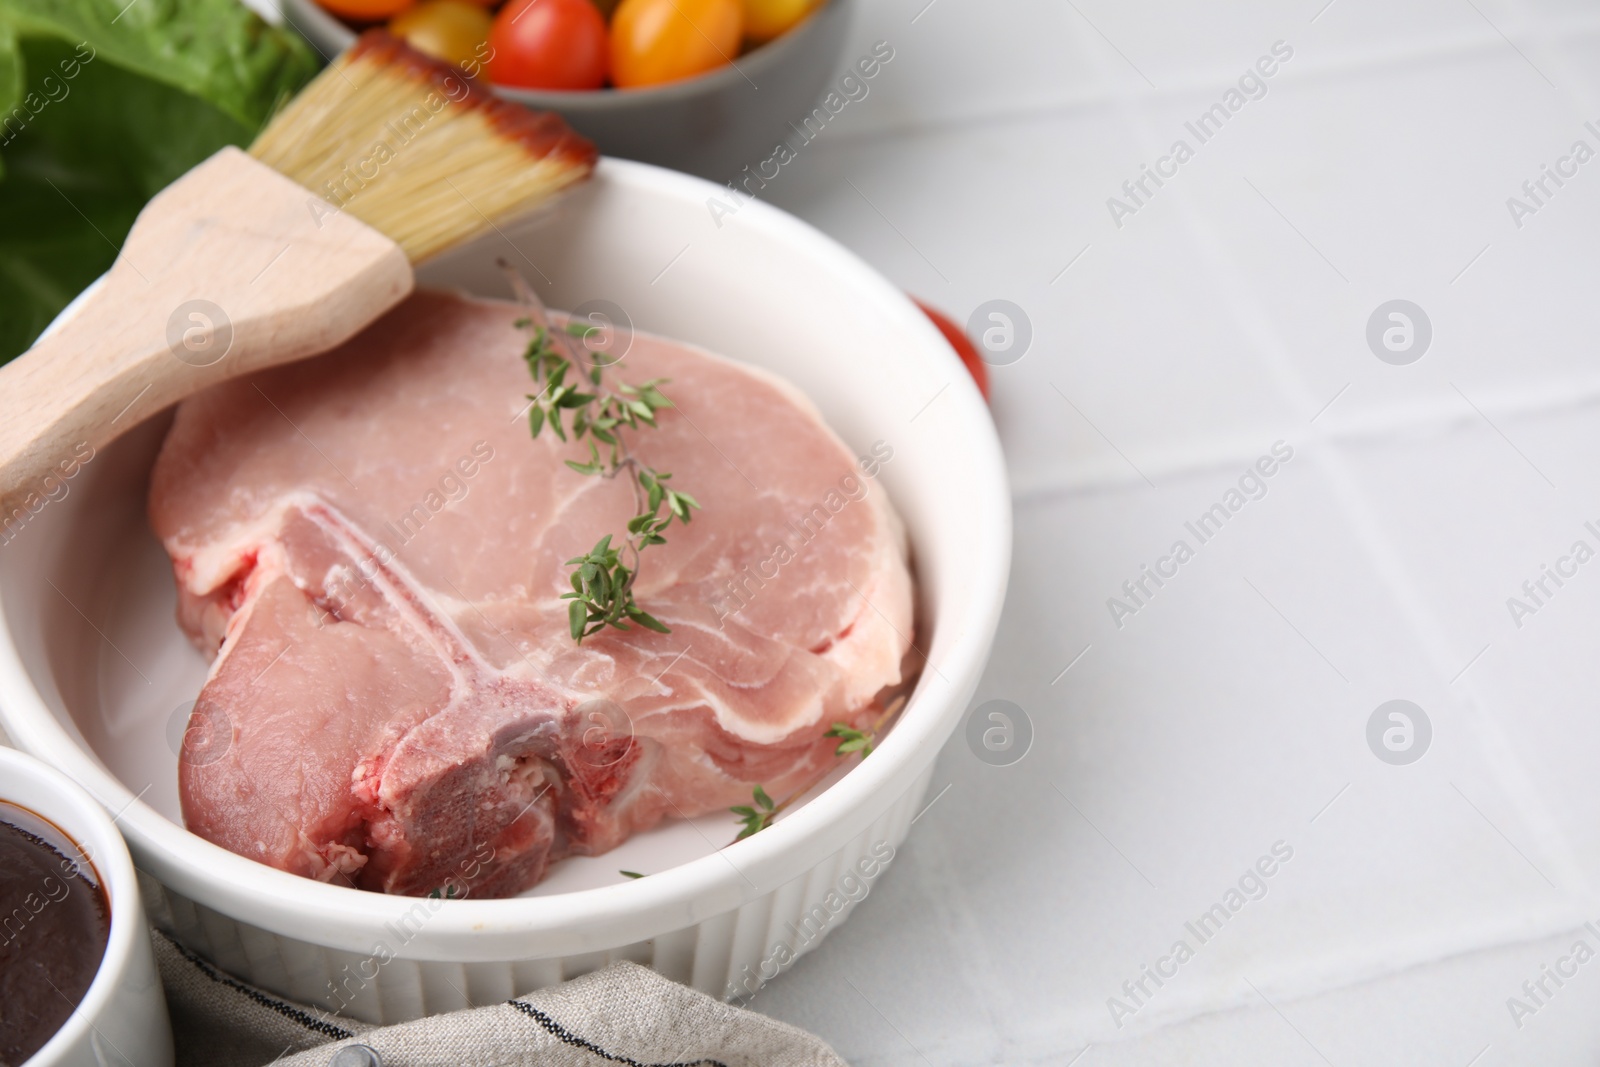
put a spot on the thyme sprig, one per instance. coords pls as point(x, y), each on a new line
point(576, 405)
point(759, 815)
point(850, 740)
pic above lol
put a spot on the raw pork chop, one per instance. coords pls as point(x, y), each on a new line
point(372, 547)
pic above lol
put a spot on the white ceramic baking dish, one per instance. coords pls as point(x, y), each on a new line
point(95, 676)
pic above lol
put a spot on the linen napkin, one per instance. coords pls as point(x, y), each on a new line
point(624, 1015)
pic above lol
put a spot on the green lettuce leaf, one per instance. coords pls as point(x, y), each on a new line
point(102, 104)
point(217, 50)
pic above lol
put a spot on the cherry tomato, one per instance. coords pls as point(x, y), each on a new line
point(451, 30)
point(656, 41)
point(766, 19)
point(548, 44)
point(366, 10)
point(963, 346)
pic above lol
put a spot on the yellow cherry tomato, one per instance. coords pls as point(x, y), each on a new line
point(365, 10)
point(656, 41)
point(451, 30)
point(766, 19)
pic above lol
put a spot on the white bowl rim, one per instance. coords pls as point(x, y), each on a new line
point(741, 68)
point(108, 855)
point(349, 918)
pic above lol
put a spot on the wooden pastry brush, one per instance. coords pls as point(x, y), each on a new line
point(254, 259)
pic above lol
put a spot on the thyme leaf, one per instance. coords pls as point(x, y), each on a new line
point(757, 816)
point(850, 740)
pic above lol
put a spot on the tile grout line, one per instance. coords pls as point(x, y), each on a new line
point(1485, 43)
point(1293, 981)
point(1248, 309)
point(1571, 398)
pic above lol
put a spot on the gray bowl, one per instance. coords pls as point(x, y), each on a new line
point(711, 125)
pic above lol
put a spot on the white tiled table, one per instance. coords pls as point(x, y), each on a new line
point(1228, 313)
point(1230, 713)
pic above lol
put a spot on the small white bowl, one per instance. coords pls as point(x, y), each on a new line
point(94, 673)
point(122, 1018)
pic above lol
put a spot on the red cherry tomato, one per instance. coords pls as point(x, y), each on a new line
point(963, 346)
point(548, 44)
point(365, 10)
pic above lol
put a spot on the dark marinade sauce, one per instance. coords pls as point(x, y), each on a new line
point(54, 924)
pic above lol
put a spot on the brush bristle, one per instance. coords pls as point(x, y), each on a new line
point(415, 149)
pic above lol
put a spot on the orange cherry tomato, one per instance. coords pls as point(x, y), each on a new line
point(766, 19)
point(366, 10)
point(962, 344)
point(451, 30)
point(548, 44)
point(657, 41)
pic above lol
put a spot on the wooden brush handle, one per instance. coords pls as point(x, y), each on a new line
point(230, 269)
